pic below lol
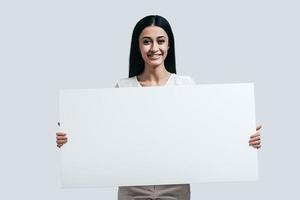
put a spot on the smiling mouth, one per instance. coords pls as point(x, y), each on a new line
point(154, 56)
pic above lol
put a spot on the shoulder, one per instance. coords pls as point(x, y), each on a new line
point(183, 80)
point(126, 82)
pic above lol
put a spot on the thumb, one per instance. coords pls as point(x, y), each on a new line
point(258, 127)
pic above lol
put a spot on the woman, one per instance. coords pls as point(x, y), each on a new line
point(152, 63)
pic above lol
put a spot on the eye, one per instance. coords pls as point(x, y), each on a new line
point(146, 42)
point(161, 41)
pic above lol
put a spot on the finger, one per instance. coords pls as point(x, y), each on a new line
point(258, 127)
point(255, 143)
point(257, 134)
point(257, 146)
point(254, 139)
point(61, 137)
point(60, 134)
point(61, 141)
point(59, 145)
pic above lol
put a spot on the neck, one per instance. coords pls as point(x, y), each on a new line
point(154, 74)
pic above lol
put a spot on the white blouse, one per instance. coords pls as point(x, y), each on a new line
point(173, 80)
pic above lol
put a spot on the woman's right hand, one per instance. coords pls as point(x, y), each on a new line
point(61, 139)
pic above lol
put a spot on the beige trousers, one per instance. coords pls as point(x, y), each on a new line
point(155, 192)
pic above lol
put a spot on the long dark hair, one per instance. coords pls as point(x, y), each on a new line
point(136, 62)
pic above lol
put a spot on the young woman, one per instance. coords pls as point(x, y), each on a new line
point(152, 63)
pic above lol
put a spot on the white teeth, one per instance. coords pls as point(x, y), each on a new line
point(155, 55)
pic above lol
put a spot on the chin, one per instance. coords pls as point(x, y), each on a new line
point(155, 65)
point(155, 62)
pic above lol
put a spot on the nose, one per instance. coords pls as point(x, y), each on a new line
point(154, 47)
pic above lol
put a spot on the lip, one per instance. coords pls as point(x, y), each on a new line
point(154, 55)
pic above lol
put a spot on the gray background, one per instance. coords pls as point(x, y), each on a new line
point(45, 46)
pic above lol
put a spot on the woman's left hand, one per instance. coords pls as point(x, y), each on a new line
point(254, 140)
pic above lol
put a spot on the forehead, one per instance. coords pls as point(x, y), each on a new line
point(153, 31)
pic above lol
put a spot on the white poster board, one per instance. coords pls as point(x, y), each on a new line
point(158, 135)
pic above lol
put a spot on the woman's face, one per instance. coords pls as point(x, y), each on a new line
point(154, 45)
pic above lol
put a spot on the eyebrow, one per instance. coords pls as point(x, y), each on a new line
point(147, 37)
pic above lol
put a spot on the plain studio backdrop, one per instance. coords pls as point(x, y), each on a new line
point(46, 46)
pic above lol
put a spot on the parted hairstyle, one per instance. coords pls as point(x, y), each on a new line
point(136, 62)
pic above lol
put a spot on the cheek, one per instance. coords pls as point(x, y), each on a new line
point(165, 50)
point(144, 49)
point(165, 47)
